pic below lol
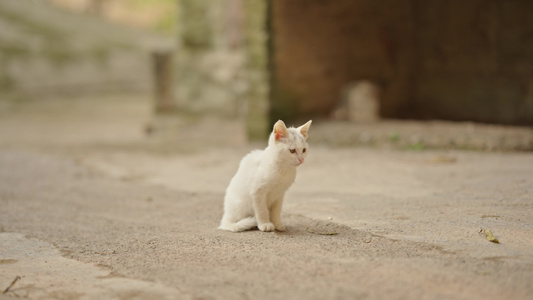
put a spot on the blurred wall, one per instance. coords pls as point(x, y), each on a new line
point(46, 52)
point(321, 47)
point(474, 61)
point(156, 15)
point(221, 65)
point(456, 60)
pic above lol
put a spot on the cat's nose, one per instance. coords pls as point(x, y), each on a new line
point(301, 160)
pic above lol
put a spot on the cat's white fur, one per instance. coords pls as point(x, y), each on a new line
point(255, 194)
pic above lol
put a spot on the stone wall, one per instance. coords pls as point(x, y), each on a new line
point(210, 64)
point(47, 52)
point(221, 64)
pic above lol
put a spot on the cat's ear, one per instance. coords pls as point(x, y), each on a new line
point(304, 128)
point(280, 130)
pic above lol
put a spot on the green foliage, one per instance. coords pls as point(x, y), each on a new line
point(165, 24)
point(417, 146)
point(195, 31)
point(394, 137)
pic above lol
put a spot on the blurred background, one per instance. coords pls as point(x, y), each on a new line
point(54, 48)
point(148, 67)
point(123, 121)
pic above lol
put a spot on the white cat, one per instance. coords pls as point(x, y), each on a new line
point(255, 194)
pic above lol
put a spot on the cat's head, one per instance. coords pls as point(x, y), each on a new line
point(291, 143)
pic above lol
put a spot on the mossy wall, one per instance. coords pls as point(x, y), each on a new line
point(209, 71)
point(221, 64)
point(45, 52)
point(256, 35)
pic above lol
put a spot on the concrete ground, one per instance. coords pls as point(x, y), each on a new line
point(91, 207)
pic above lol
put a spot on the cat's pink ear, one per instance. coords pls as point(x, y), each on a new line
point(280, 130)
point(304, 128)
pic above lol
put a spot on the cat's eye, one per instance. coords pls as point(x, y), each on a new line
point(303, 151)
point(292, 150)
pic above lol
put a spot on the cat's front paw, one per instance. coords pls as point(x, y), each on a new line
point(280, 227)
point(266, 227)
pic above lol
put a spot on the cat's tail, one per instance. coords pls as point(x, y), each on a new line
point(242, 225)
